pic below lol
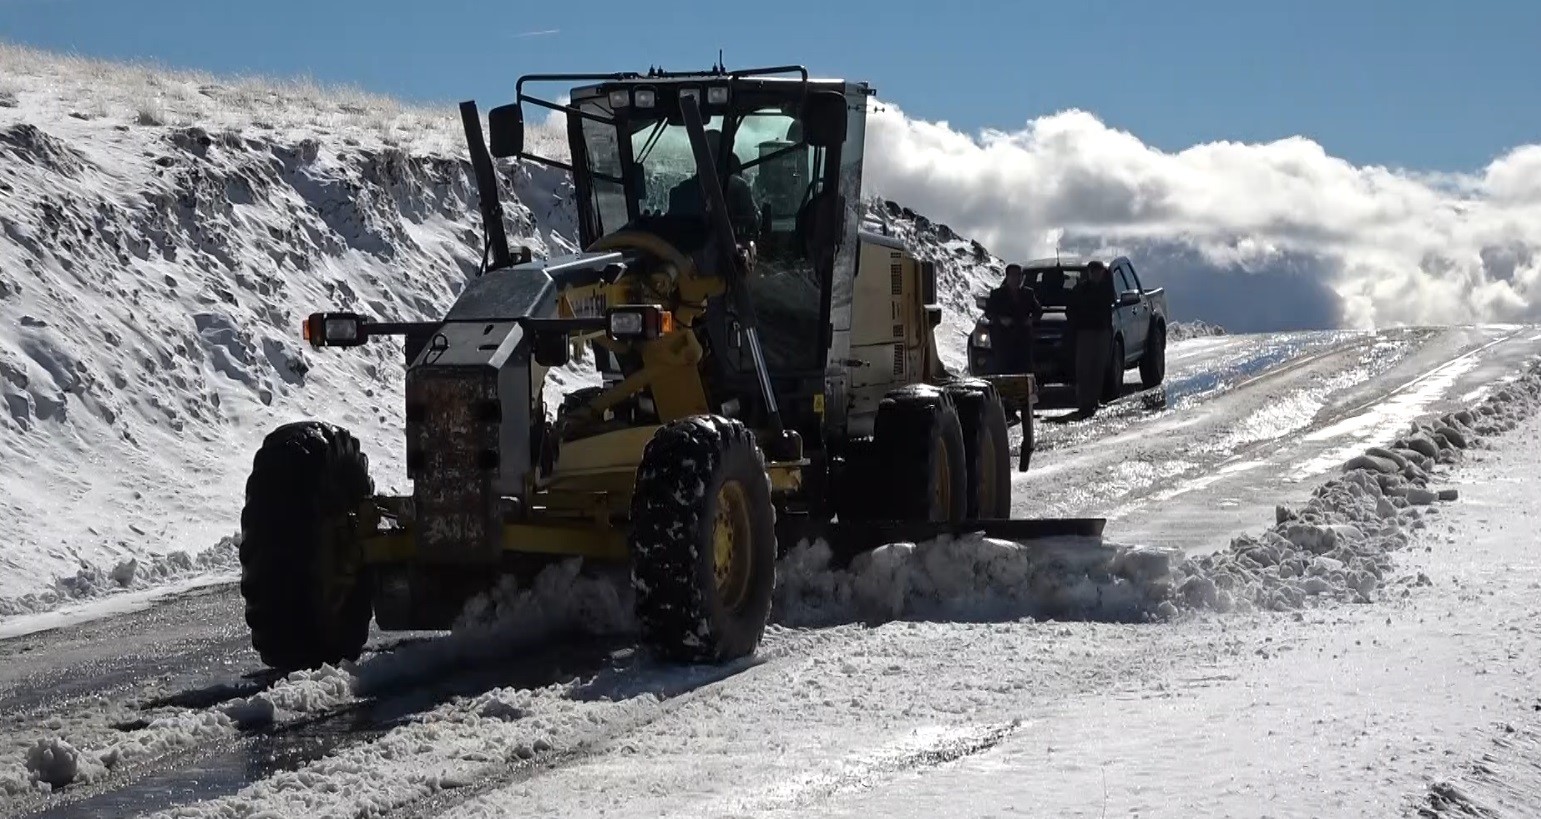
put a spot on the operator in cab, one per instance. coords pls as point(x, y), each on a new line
point(1012, 311)
point(685, 198)
point(1089, 312)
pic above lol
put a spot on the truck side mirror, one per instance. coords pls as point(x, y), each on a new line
point(824, 119)
point(1128, 298)
point(505, 130)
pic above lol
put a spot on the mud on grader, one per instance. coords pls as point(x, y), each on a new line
point(769, 374)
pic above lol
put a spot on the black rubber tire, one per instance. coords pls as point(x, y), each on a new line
point(986, 447)
point(911, 422)
point(673, 508)
point(1113, 382)
point(854, 496)
point(298, 536)
point(1153, 362)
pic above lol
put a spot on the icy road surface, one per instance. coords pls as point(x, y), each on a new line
point(1402, 678)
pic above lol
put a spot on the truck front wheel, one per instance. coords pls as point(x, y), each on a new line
point(1153, 363)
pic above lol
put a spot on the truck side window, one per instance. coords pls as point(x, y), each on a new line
point(1133, 276)
point(1123, 279)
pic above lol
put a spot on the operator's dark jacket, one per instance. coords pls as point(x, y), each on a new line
point(1022, 310)
point(685, 198)
point(1090, 306)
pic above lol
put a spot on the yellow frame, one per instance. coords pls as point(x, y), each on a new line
point(574, 509)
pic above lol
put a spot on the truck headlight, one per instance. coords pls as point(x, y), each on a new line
point(334, 329)
point(982, 339)
point(632, 322)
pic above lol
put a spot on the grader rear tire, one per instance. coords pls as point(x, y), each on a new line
point(923, 465)
point(703, 541)
point(302, 571)
point(986, 446)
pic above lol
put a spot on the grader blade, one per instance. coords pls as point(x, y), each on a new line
point(846, 540)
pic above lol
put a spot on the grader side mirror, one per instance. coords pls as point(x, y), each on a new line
point(505, 130)
point(824, 119)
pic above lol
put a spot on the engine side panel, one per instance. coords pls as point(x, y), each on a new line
point(468, 445)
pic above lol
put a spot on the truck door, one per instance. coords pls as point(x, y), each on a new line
point(1129, 319)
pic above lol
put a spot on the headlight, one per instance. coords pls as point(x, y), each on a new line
point(717, 95)
point(644, 98)
point(334, 329)
point(982, 339)
point(630, 322)
point(620, 98)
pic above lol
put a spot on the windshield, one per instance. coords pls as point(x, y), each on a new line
point(768, 179)
point(1052, 285)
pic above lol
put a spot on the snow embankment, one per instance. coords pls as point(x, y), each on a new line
point(161, 237)
point(1184, 330)
point(1338, 546)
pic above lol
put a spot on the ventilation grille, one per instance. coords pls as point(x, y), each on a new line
point(898, 359)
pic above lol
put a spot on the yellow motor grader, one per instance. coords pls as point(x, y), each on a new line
point(768, 373)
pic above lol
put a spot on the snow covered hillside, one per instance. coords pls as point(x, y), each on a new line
point(161, 237)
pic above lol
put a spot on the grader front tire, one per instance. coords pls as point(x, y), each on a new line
point(703, 541)
point(302, 573)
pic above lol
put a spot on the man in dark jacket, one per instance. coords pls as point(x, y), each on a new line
point(743, 212)
point(1012, 310)
point(1089, 314)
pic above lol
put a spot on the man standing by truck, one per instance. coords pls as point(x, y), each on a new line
point(1012, 311)
point(1089, 312)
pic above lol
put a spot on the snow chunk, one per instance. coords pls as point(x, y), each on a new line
point(972, 578)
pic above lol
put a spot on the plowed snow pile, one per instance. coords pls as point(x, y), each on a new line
point(1337, 547)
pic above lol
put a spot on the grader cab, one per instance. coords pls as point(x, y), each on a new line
point(768, 370)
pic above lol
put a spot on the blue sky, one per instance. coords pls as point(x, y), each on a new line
point(1410, 83)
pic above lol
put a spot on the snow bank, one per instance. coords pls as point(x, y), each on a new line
point(146, 571)
point(1339, 546)
point(1183, 330)
point(973, 578)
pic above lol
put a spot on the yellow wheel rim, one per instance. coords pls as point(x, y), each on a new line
point(731, 544)
point(943, 481)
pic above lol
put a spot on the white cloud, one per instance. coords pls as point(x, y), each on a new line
point(1326, 242)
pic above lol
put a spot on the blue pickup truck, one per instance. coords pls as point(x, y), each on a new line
point(1139, 326)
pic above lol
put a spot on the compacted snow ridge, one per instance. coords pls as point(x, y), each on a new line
point(1183, 330)
point(1339, 545)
